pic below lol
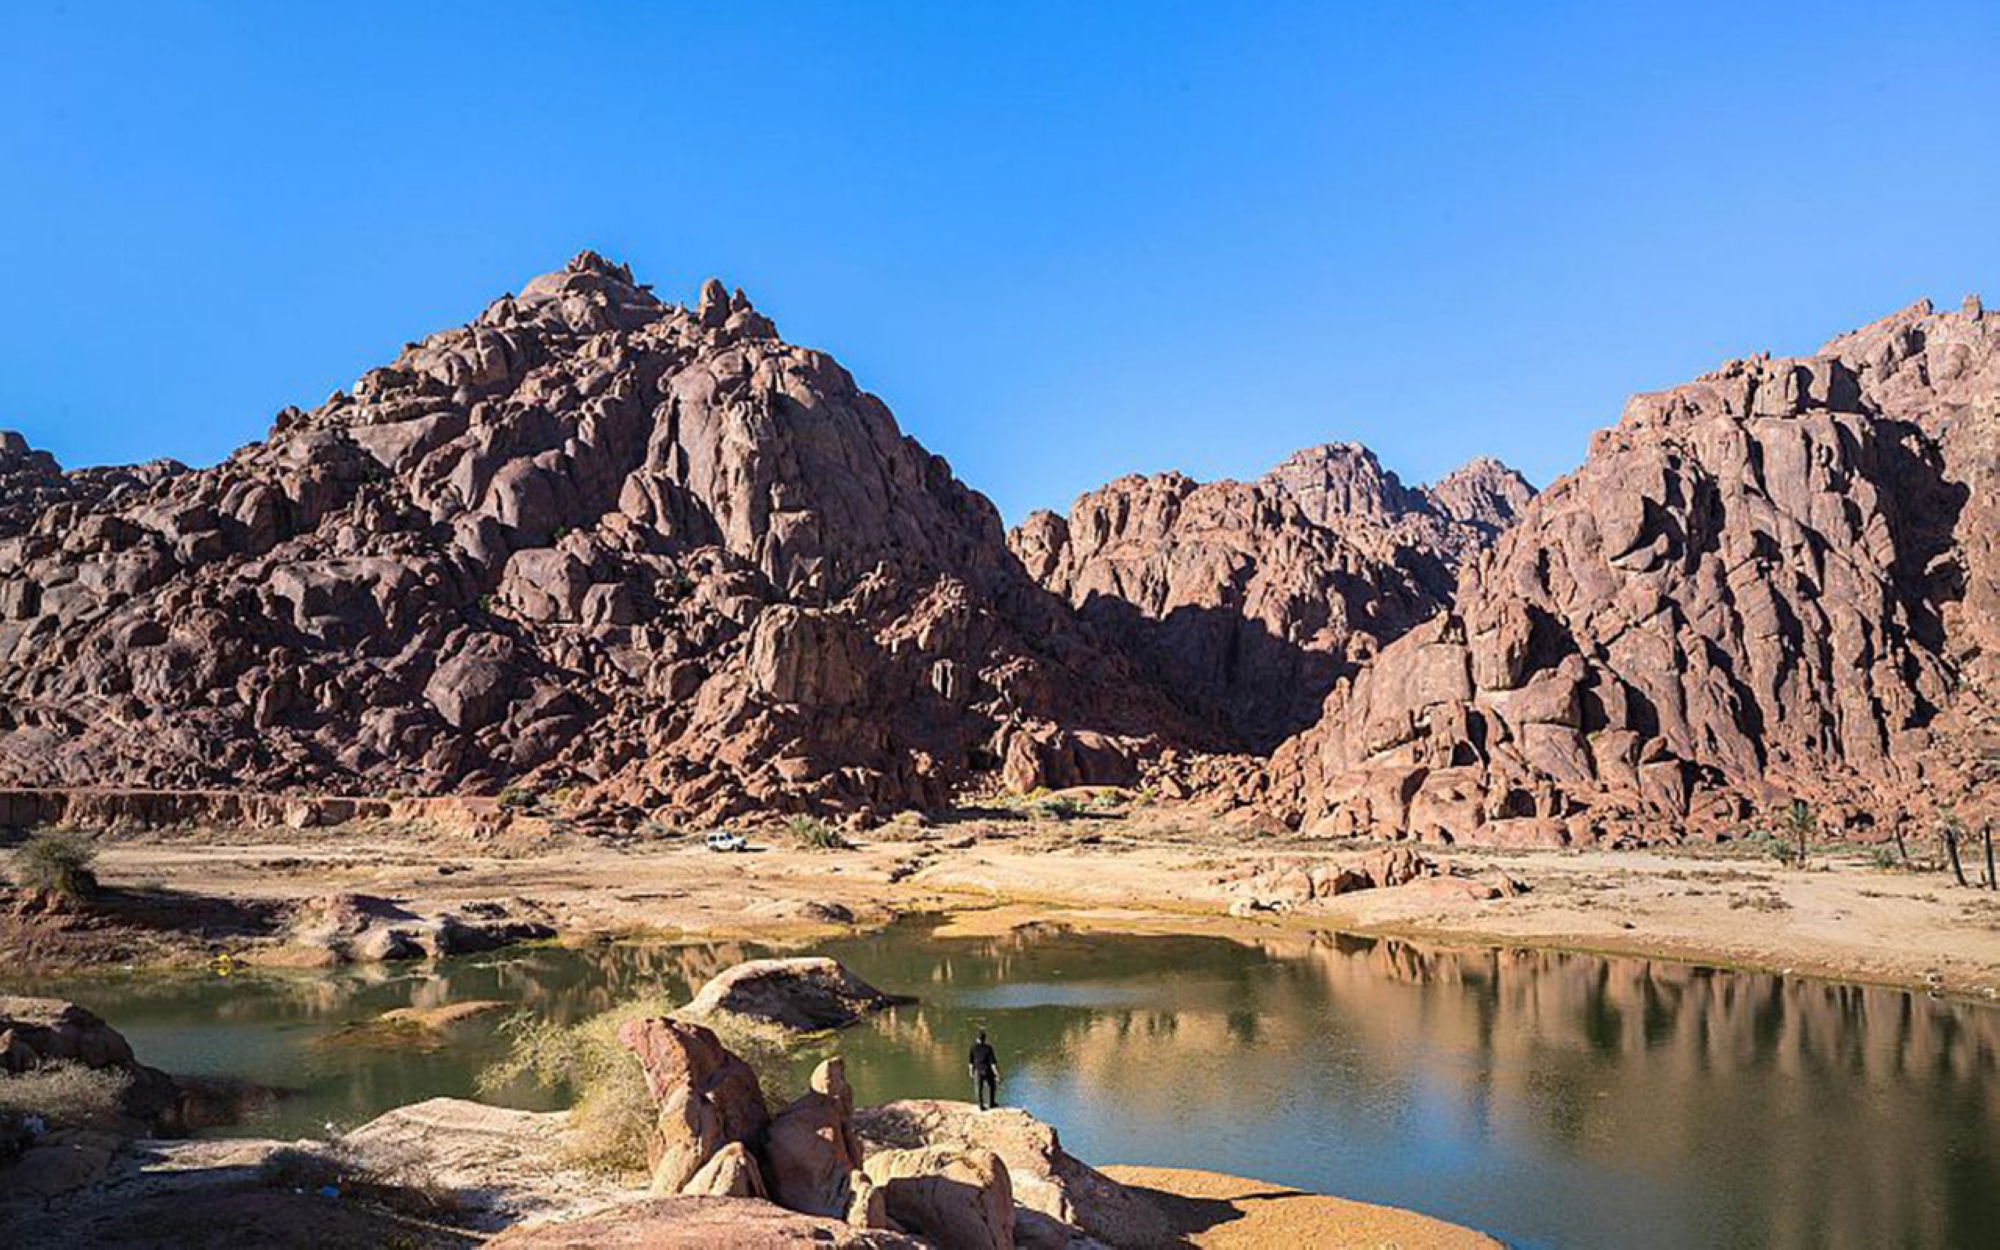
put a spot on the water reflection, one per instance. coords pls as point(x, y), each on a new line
point(1553, 1098)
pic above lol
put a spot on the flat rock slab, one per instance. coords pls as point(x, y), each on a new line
point(691, 1223)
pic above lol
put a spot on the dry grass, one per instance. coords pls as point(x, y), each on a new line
point(64, 1093)
point(612, 1113)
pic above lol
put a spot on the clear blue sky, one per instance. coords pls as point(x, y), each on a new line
point(1064, 241)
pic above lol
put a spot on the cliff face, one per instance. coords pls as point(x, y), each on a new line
point(1249, 599)
point(590, 539)
point(1774, 582)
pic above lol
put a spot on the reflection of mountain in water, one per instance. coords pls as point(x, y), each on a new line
point(1551, 1098)
point(1789, 1112)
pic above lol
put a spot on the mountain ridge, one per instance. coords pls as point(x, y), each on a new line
point(656, 557)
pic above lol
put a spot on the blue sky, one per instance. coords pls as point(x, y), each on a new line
point(1063, 241)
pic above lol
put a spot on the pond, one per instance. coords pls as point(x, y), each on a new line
point(1553, 1099)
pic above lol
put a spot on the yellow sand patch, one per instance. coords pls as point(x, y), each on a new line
point(1210, 1209)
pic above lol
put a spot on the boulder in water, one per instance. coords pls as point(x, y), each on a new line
point(806, 994)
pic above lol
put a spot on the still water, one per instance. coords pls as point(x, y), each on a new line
point(1552, 1099)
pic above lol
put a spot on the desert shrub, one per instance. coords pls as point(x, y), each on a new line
point(64, 1093)
point(611, 1113)
point(518, 798)
point(1056, 807)
point(816, 835)
point(60, 863)
point(1765, 842)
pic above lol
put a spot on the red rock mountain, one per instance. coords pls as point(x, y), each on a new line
point(1248, 599)
point(1777, 581)
point(591, 539)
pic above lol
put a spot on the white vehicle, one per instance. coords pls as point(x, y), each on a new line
point(724, 840)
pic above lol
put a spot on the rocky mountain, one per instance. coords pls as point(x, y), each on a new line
point(1775, 582)
point(1248, 599)
point(591, 540)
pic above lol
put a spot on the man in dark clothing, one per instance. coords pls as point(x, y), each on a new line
point(985, 1068)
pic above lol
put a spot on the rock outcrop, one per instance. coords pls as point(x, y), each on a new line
point(359, 928)
point(943, 1170)
point(1248, 599)
point(1776, 582)
point(814, 1155)
point(1059, 1200)
point(706, 1099)
point(806, 993)
point(958, 1198)
point(594, 541)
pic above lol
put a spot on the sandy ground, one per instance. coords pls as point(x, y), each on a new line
point(1845, 918)
point(1210, 1209)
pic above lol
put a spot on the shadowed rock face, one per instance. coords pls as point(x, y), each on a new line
point(590, 539)
point(1249, 599)
point(1774, 582)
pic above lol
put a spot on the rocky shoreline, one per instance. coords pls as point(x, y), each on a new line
point(723, 1165)
point(273, 895)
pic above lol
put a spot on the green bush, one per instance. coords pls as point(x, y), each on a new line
point(518, 798)
point(58, 863)
point(816, 835)
point(1056, 807)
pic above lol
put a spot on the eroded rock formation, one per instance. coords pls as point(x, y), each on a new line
point(591, 540)
point(1775, 582)
point(1248, 599)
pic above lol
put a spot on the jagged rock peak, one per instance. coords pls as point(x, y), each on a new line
point(1340, 480)
point(1482, 491)
point(1249, 598)
point(588, 261)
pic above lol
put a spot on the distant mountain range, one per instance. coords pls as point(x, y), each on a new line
point(657, 557)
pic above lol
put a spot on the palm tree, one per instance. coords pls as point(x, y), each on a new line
point(1801, 823)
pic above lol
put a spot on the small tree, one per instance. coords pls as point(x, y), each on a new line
point(58, 864)
point(1801, 823)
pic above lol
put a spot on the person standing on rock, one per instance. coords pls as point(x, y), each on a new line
point(985, 1068)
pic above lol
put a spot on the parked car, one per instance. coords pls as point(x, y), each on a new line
point(724, 840)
